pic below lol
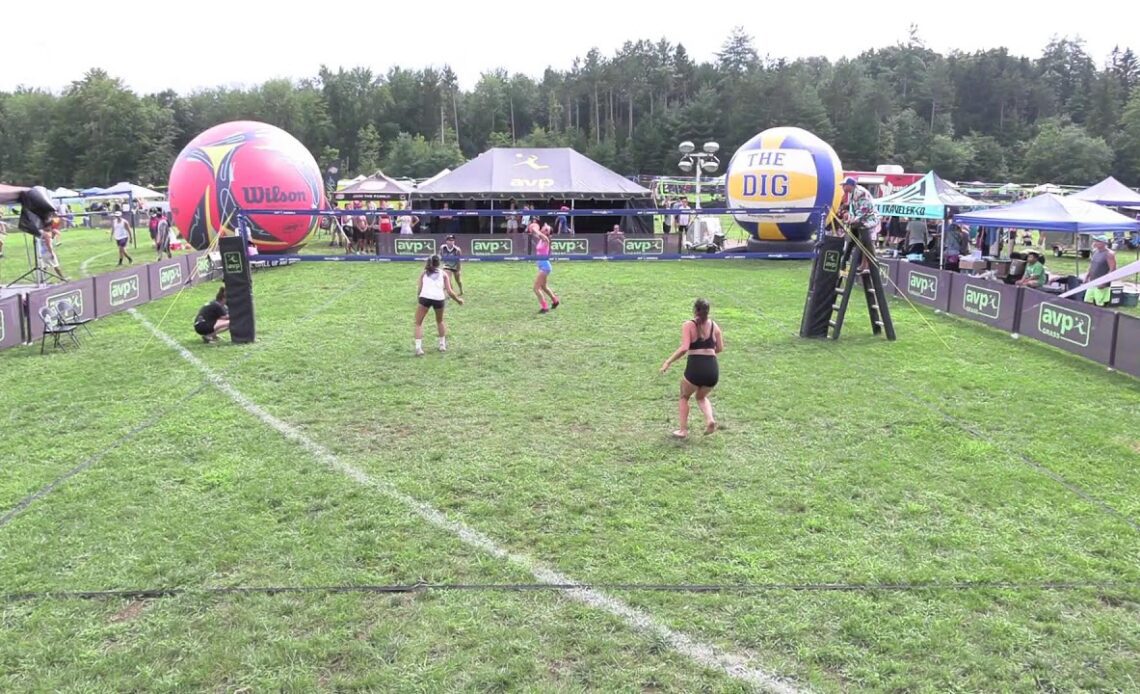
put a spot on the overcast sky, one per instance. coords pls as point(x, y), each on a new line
point(244, 42)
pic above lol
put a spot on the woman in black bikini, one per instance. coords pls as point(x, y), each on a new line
point(702, 339)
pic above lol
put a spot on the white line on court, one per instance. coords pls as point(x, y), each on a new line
point(83, 267)
point(703, 654)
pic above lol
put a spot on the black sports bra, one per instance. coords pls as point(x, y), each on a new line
point(706, 343)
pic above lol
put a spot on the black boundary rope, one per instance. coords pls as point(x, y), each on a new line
point(725, 588)
point(206, 383)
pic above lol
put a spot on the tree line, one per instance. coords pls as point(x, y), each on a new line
point(987, 115)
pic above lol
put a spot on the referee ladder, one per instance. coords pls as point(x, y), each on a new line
point(877, 307)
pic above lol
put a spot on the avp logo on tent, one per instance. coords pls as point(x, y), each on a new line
point(981, 302)
point(75, 296)
point(1065, 324)
point(492, 246)
point(923, 285)
point(170, 276)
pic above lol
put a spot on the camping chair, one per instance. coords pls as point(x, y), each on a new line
point(67, 314)
point(55, 328)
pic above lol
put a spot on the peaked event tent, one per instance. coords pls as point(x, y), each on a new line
point(532, 174)
point(378, 186)
point(1110, 193)
point(60, 193)
point(1051, 212)
point(544, 177)
point(125, 188)
point(926, 198)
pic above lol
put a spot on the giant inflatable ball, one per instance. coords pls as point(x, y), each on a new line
point(784, 168)
point(242, 166)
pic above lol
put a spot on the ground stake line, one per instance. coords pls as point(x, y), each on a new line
point(706, 655)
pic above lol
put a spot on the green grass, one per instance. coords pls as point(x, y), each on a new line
point(838, 462)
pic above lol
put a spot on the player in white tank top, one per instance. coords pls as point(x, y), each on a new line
point(435, 287)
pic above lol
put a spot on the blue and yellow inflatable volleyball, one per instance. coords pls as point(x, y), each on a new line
point(784, 168)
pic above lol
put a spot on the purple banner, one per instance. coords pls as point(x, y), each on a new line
point(924, 285)
point(1074, 326)
point(118, 291)
point(1127, 352)
point(889, 269)
point(200, 268)
point(167, 276)
point(80, 293)
point(642, 244)
point(11, 322)
point(992, 303)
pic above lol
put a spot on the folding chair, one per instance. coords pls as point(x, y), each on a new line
point(69, 316)
point(53, 327)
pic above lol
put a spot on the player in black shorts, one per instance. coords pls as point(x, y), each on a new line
point(703, 340)
point(213, 318)
point(451, 256)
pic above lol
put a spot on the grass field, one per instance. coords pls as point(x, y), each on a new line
point(951, 460)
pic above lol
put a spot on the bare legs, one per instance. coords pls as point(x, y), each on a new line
point(541, 290)
point(703, 403)
point(441, 329)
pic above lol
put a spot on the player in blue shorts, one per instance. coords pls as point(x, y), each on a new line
point(542, 249)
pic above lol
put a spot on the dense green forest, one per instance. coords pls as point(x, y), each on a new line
point(987, 115)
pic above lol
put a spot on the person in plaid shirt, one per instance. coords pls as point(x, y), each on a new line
point(861, 217)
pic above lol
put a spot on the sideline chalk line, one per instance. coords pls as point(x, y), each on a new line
point(706, 655)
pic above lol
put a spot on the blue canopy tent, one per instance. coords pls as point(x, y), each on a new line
point(1051, 212)
point(545, 177)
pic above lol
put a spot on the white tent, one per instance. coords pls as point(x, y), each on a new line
point(60, 193)
point(123, 188)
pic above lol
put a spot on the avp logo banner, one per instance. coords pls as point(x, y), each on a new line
point(643, 246)
point(124, 290)
point(75, 296)
point(170, 276)
point(231, 262)
point(415, 246)
point(492, 246)
point(203, 266)
point(1065, 324)
point(831, 261)
point(981, 301)
point(923, 285)
point(570, 246)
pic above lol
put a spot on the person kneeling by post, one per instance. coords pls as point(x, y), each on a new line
point(213, 318)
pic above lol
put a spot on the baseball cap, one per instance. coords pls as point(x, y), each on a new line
point(450, 237)
point(1100, 237)
point(850, 181)
point(116, 214)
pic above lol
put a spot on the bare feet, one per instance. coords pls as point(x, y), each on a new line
point(710, 428)
point(681, 434)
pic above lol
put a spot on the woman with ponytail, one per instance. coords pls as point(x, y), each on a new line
point(435, 287)
point(702, 339)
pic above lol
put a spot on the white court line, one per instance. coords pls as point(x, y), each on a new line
point(706, 655)
point(83, 267)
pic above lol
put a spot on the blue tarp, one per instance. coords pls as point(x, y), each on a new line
point(1110, 193)
point(532, 174)
point(1052, 213)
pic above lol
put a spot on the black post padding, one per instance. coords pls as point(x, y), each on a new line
point(823, 287)
point(239, 287)
point(35, 210)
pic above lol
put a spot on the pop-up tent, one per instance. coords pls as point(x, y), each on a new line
point(1110, 193)
point(60, 193)
point(926, 198)
point(541, 177)
point(128, 189)
point(378, 186)
point(1051, 212)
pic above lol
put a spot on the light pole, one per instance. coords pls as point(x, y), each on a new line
point(706, 160)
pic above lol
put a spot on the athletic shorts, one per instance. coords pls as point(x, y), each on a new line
point(431, 303)
point(544, 267)
point(122, 242)
point(204, 328)
point(1098, 296)
point(702, 370)
point(452, 267)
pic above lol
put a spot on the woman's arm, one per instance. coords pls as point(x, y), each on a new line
point(684, 347)
point(420, 285)
point(449, 290)
point(719, 340)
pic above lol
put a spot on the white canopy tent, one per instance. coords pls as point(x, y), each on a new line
point(129, 189)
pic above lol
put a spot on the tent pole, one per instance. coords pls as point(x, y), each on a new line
point(570, 222)
point(492, 217)
point(942, 244)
